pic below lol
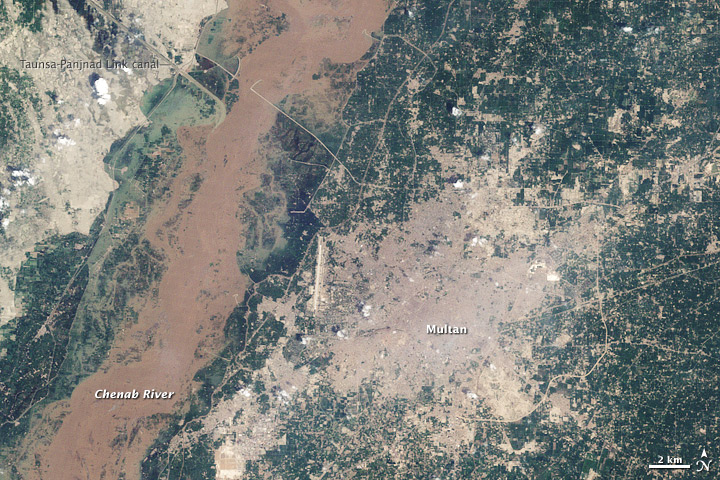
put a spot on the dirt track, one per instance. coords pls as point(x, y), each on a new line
point(197, 292)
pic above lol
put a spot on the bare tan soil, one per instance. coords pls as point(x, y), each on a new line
point(176, 332)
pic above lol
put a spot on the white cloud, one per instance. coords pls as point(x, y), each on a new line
point(102, 89)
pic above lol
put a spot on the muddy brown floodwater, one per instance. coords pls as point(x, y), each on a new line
point(197, 291)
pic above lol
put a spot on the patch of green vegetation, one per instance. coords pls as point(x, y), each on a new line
point(326, 433)
point(300, 174)
point(19, 101)
point(156, 94)
point(304, 111)
point(214, 79)
point(273, 287)
point(658, 281)
point(297, 231)
point(211, 43)
point(279, 228)
point(378, 83)
point(33, 346)
point(197, 461)
point(31, 13)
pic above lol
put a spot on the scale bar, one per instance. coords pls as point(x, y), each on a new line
point(671, 467)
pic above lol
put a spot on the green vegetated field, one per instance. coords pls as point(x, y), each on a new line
point(20, 103)
point(609, 87)
point(33, 346)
